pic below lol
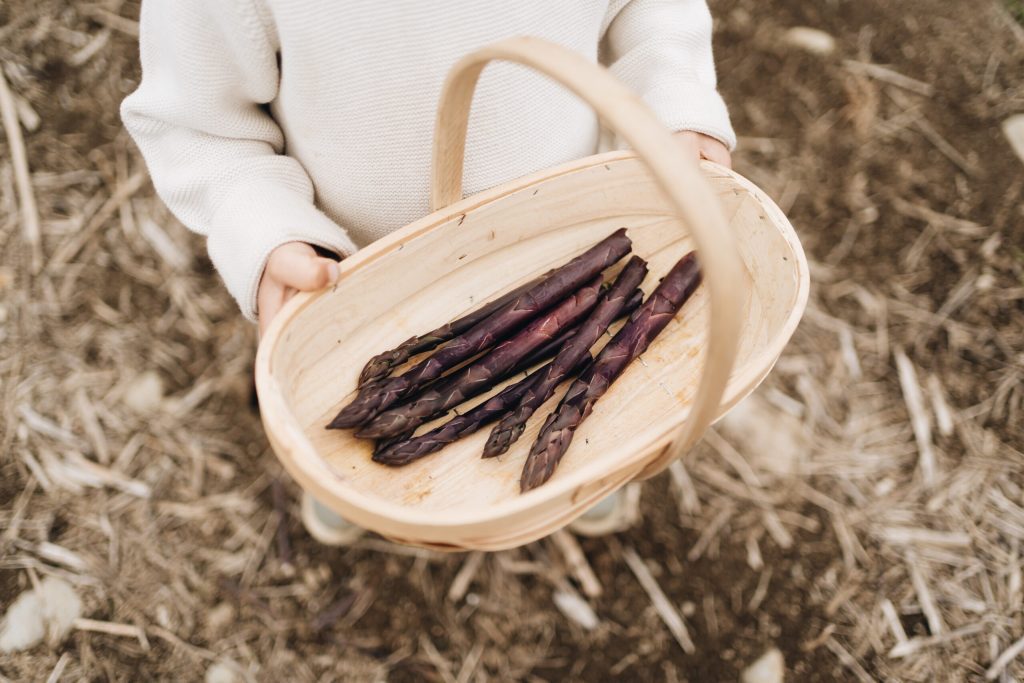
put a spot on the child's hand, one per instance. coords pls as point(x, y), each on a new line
point(700, 146)
point(292, 267)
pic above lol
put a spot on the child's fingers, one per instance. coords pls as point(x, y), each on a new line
point(689, 143)
point(700, 146)
point(269, 300)
point(717, 153)
point(297, 265)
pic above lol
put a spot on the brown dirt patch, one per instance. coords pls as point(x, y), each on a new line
point(908, 201)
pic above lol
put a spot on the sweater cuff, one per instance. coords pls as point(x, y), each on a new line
point(692, 106)
point(255, 220)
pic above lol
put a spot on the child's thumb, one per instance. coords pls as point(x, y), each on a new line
point(320, 273)
point(297, 266)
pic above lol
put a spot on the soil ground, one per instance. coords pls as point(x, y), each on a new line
point(809, 526)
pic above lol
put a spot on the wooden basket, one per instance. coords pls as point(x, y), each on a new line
point(468, 250)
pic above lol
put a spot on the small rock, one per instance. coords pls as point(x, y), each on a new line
point(810, 39)
point(770, 668)
point(740, 17)
point(47, 613)
point(885, 487)
point(223, 671)
point(163, 616)
point(145, 393)
point(219, 618)
point(23, 624)
point(771, 439)
point(1013, 129)
point(576, 608)
point(310, 578)
point(29, 118)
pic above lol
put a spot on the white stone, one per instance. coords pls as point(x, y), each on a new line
point(145, 393)
point(219, 618)
point(1013, 129)
point(163, 617)
point(223, 671)
point(770, 668)
point(47, 613)
point(575, 608)
point(810, 39)
point(771, 439)
point(23, 624)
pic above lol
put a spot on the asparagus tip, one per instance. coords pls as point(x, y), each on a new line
point(369, 402)
point(390, 461)
point(375, 369)
point(369, 432)
point(336, 423)
point(387, 425)
point(403, 453)
point(497, 444)
point(539, 467)
point(553, 441)
point(348, 419)
point(533, 476)
point(501, 439)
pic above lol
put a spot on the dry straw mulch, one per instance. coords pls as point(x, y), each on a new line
point(864, 514)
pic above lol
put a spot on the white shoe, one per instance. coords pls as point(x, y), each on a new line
point(326, 525)
point(618, 512)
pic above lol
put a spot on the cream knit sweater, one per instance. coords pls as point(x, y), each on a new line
point(268, 121)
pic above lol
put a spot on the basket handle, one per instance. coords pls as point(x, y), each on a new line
point(679, 178)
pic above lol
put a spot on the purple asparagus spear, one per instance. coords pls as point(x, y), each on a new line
point(400, 451)
point(643, 326)
point(382, 364)
point(483, 374)
point(512, 425)
point(380, 395)
point(547, 351)
point(405, 452)
point(551, 348)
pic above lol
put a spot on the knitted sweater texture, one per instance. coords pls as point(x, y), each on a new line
point(269, 121)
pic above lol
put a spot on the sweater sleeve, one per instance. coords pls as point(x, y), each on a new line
point(216, 156)
point(662, 49)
